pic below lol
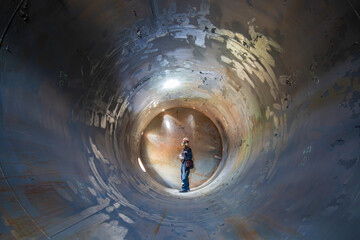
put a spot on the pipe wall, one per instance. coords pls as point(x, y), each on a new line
point(80, 81)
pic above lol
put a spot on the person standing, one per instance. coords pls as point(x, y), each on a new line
point(185, 156)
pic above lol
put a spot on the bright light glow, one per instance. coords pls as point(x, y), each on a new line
point(191, 121)
point(167, 124)
point(141, 165)
point(170, 123)
point(163, 110)
point(171, 83)
point(153, 138)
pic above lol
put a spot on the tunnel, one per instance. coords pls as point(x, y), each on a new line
point(96, 97)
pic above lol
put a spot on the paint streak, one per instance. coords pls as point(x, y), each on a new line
point(244, 230)
point(156, 231)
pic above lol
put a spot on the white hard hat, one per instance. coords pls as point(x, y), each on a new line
point(185, 139)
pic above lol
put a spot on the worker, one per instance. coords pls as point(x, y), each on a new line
point(185, 156)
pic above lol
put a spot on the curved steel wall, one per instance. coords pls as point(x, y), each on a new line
point(81, 80)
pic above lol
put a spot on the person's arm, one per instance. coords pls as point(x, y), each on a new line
point(181, 157)
point(189, 154)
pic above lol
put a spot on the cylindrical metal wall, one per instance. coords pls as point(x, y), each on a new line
point(80, 82)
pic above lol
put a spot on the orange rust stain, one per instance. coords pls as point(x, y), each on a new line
point(156, 231)
point(45, 198)
point(230, 74)
point(22, 226)
point(201, 175)
point(274, 224)
point(243, 230)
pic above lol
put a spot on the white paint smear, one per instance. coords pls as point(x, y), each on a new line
point(126, 219)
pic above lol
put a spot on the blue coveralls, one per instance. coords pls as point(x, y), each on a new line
point(187, 154)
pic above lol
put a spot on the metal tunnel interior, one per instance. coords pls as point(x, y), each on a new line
point(268, 91)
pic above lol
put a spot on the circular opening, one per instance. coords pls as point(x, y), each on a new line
point(161, 145)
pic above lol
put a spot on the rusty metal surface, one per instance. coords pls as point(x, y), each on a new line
point(81, 80)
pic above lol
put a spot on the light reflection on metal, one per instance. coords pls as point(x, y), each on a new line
point(171, 83)
point(152, 138)
point(167, 123)
point(141, 165)
point(191, 121)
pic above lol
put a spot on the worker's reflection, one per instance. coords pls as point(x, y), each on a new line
point(186, 165)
